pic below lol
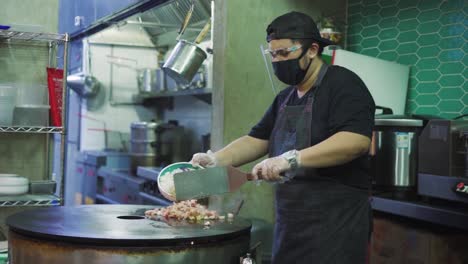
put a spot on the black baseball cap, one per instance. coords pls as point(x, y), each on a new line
point(295, 25)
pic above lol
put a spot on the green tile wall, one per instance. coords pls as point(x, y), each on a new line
point(429, 35)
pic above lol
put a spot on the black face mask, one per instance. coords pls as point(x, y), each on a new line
point(289, 71)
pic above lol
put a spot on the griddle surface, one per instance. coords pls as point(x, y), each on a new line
point(100, 224)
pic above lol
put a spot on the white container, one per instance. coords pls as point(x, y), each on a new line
point(7, 104)
point(13, 185)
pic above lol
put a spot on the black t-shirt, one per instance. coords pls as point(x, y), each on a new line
point(342, 103)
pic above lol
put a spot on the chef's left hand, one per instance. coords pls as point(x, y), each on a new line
point(270, 169)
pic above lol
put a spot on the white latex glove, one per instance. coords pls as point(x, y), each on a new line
point(207, 159)
point(270, 169)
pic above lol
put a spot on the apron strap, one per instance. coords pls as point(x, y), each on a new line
point(318, 82)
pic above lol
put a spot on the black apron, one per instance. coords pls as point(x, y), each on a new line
point(318, 219)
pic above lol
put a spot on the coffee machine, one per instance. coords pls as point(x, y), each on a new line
point(443, 160)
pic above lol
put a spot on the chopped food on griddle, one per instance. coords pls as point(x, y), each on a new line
point(184, 210)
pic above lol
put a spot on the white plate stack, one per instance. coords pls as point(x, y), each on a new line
point(12, 184)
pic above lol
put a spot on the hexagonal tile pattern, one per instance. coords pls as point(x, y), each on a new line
point(388, 55)
point(428, 27)
point(408, 13)
point(408, 48)
point(451, 68)
point(373, 52)
point(451, 80)
point(452, 43)
point(388, 33)
point(429, 15)
point(451, 93)
point(431, 36)
point(465, 74)
point(386, 3)
point(428, 76)
point(427, 99)
point(451, 106)
point(408, 36)
point(388, 22)
point(452, 5)
point(452, 18)
point(388, 45)
point(370, 42)
point(388, 11)
point(429, 51)
point(371, 20)
point(370, 10)
point(408, 24)
point(407, 3)
point(428, 64)
point(427, 87)
point(429, 4)
point(410, 59)
point(451, 30)
point(429, 39)
point(370, 31)
point(451, 55)
point(465, 99)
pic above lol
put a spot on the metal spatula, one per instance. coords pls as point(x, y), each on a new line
point(210, 181)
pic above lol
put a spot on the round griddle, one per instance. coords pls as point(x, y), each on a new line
point(120, 225)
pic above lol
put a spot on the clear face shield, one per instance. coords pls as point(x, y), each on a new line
point(267, 59)
point(281, 54)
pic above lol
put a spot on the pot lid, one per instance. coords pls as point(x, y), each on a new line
point(398, 120)
point(120, 225)
point(145, 125)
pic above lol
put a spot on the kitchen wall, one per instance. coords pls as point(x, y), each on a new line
point(430, 36)
point(242, 89)
point(111, 112)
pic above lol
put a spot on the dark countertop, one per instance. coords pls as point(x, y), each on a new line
point(436, 211)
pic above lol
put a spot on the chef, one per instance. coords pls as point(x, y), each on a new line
point(317, 134)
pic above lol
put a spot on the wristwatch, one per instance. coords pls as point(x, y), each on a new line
point(292, 157)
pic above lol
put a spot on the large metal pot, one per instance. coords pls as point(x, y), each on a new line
point(184, 61)
point(119, 234)
point(143, 144)
point(394, 151)
point(151, 80)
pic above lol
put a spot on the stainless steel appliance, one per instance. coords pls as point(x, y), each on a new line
point(155, 144)
point(118, 186)
point(120, 234)
point(143, 141)
point(394, 151)
point(443, 160)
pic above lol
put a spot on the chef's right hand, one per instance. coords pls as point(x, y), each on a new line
point(207, 159)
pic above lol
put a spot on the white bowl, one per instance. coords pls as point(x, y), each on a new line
point(170, 168)
point(12, 184)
